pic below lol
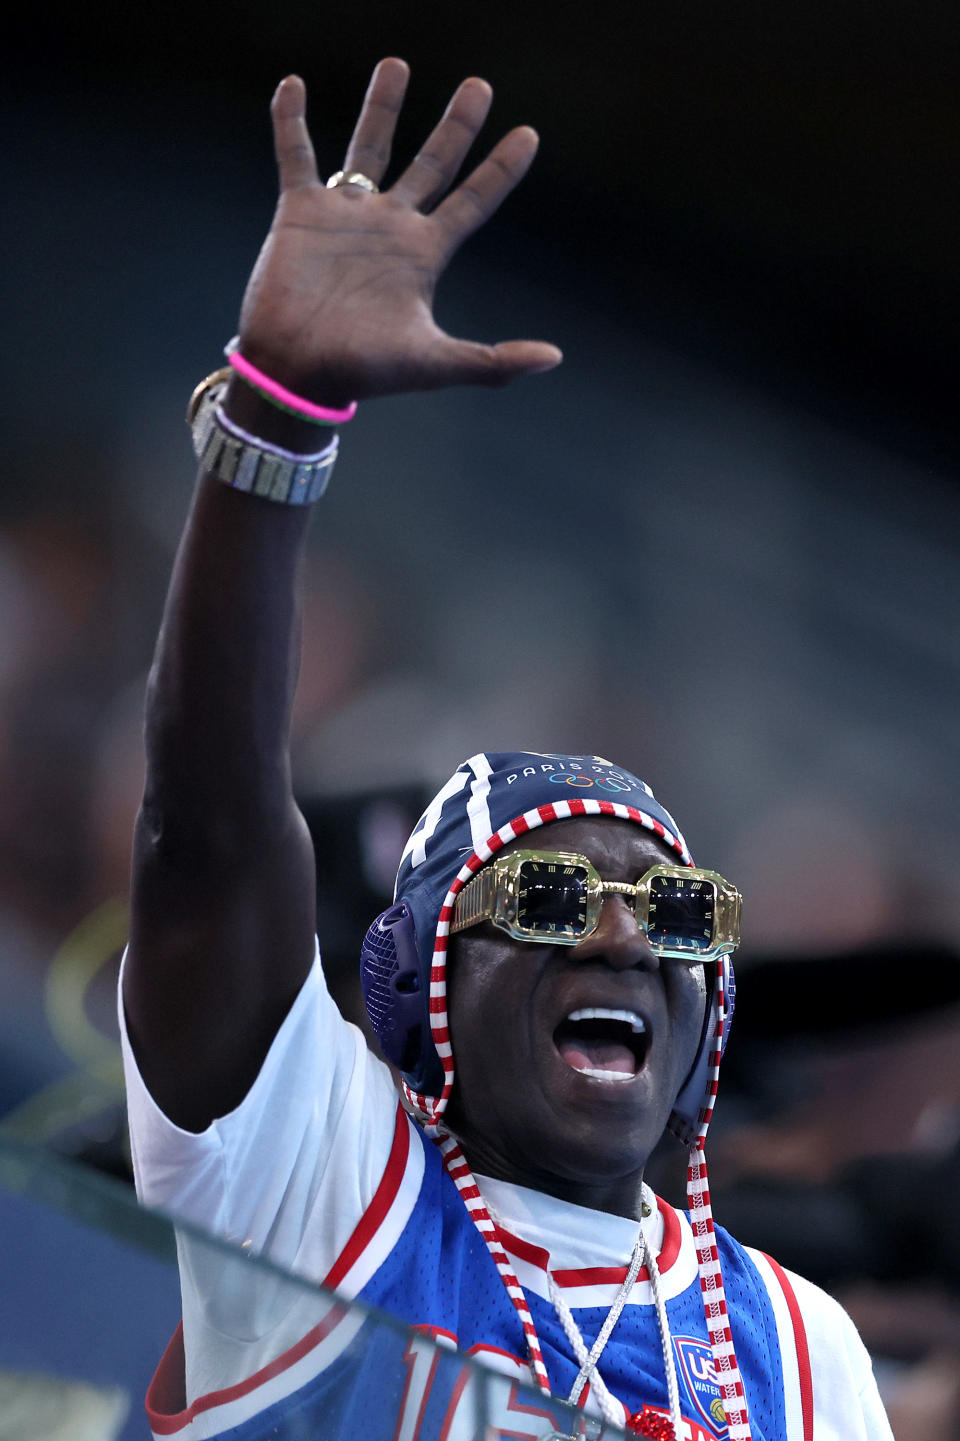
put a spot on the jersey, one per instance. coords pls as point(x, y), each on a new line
point(323, 1172)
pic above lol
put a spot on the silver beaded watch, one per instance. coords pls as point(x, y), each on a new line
point(247, 463)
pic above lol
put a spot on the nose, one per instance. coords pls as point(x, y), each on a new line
point(618, 940)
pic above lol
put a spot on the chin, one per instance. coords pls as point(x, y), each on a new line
point(599, 1129)
point(594, 1159)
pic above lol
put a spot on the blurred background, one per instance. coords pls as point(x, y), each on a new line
point(719, 545)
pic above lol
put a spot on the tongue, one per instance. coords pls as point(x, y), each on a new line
point(598, 1055)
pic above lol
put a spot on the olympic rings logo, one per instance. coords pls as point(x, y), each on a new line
point(582, 782)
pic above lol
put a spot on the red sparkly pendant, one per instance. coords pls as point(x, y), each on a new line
point(648, 1422)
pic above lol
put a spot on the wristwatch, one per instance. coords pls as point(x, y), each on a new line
point(247, 463)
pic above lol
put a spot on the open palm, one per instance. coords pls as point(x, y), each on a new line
point(340, 303)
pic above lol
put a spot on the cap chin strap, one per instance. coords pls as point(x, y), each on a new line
point(460, 1173)
point(430, 1110)
point(705, 1239)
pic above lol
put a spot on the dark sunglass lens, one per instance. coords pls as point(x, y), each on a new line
point(681, 913)
point(552, 898)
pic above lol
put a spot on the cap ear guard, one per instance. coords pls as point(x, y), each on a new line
point(397, 998)
point(684, 1122)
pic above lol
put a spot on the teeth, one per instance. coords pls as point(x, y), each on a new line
point(600, 1013)
point(602, 1075)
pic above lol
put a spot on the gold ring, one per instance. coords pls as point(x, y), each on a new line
point(353, 177)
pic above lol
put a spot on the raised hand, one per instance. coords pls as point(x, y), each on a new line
point(340, 303)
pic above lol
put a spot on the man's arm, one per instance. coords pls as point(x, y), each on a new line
point(339, 308)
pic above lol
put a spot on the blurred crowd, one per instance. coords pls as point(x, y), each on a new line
point(837, 1144)
point(756, 611)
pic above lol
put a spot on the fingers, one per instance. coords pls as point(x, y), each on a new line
point(291, 139)
point(476, 198)
point(369, 148)
point(435, 167)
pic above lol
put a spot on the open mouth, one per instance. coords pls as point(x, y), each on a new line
point(606, 1045)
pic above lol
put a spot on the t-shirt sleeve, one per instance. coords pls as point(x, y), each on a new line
point(309, 1140)
point(827, 1373)
point(847, 1404)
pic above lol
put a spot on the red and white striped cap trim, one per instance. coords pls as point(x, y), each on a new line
point(431, 1109)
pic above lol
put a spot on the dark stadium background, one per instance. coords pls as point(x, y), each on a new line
point(720, 544)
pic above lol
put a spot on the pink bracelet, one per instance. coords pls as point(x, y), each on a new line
point(280, 396)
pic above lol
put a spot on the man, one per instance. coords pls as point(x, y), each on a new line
point(554, 981)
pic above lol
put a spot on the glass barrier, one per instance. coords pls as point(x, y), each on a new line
point(90, 1299)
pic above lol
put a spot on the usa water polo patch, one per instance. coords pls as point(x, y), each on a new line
point(698, 1376)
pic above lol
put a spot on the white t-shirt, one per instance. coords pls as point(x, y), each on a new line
point(291, 1173)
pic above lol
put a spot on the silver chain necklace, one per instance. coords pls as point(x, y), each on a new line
point(610, 1409)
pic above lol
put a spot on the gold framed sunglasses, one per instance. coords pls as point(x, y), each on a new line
point(555, 897)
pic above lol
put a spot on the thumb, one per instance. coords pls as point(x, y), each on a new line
point(467, 362)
